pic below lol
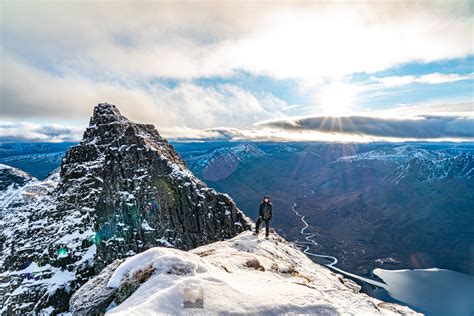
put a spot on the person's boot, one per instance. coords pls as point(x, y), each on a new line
point(257, 225)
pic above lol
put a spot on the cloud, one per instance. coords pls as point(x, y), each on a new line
point(245, 134)
point(210, 134)
point(23, 131)
point(185, 110)
point(33, 93)
point(222, 104)
point(192, 40)
point(432, 78)
point(329, 129)
point(226, 133)
point(421, 127)
point(59, 59)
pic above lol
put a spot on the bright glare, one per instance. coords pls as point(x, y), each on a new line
point(337, 99)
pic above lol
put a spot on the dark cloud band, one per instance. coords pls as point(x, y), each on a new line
point(423, 127)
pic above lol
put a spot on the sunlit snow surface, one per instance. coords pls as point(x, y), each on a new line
point(290, 282)
point(431, 291)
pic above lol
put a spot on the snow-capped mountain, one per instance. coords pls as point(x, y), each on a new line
point(394, 155)
point(238, 152)
point(458, 166)
point(12, 177)
point(418, 164)
point(122, 190)
point(243, 275)
point(219, 163)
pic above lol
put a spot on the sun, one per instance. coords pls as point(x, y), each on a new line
point(337, 99)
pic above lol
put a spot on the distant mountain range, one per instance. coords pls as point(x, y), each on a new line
point(38, 159)
point(370, 205)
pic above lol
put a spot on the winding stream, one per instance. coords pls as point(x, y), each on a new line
point(309, 241)
point(434, 292)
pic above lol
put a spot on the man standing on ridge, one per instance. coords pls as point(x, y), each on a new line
point(265, 214)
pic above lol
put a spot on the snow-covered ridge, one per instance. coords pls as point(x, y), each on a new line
point(28, 233)
point(419, 163)
point(394, 155)
point(221, 162)
point(244, 275)
point(12, 178)
point(459, 166)
point(238, 152)
point(33, 192)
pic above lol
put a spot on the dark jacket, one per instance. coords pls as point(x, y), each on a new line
point(265, 210)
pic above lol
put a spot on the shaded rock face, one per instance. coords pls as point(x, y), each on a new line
point(122, 190)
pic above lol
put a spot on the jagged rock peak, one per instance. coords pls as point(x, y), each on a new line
point(121, 191)
point(105, 113)
point(136, 183)
point(108, 128)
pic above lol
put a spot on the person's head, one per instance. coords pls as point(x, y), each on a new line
point(266, 199)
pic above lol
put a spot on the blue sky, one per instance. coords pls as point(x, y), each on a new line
point(459, 91)
point(236, 71)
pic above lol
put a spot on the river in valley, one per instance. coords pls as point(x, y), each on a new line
point(434, 292)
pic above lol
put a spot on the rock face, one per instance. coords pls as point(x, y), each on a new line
point(122, 190)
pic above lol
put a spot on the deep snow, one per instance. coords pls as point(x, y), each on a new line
point(285, 281)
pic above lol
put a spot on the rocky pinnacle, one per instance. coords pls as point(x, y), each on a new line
point(121, 190)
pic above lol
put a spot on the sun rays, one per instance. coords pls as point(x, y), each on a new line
point(337, 99)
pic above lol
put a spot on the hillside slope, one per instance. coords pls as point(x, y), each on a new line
point(245, 274)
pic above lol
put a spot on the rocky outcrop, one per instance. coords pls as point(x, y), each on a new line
point(122, 190)
point(95, 296)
